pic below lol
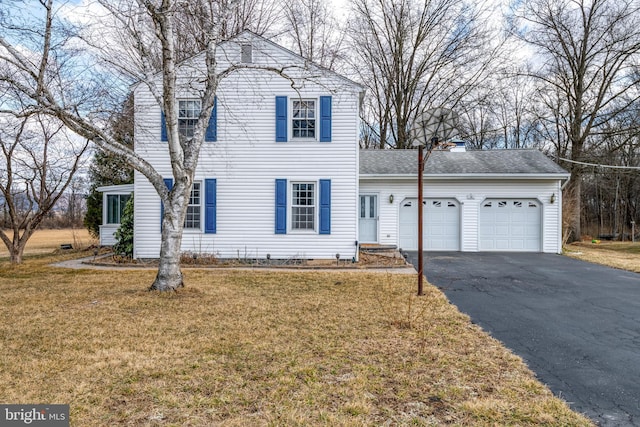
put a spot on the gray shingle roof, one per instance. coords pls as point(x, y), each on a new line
point(491, 162)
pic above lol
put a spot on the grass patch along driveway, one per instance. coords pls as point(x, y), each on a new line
point(256, 348)
point(622, 255)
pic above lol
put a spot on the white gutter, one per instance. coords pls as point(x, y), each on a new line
point(560, 176)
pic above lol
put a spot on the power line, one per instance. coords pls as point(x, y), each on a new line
point(599, 165)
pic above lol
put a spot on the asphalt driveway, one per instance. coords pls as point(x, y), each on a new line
point(576, 324)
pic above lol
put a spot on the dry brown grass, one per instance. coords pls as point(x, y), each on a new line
point(256, 348)
point(46, 241)
point(622, 255)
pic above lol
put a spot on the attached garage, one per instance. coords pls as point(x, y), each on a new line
point(441, 224)
point(510, 225)
point(495, 200)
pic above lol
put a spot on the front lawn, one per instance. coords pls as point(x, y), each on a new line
point(622, 255)
point(244, 348)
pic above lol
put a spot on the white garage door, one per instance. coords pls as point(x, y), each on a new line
point(441, 224)
point(510, 225)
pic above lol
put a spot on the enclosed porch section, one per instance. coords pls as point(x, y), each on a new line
point(114, 198)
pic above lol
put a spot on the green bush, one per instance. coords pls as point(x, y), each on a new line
point(124, 234)
point(93, 217)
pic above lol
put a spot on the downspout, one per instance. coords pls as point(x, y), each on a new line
point(356, 256)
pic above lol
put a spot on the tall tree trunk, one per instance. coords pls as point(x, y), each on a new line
point(572, 209)
point(17, 250)
point(16, 244)
point(169, 277)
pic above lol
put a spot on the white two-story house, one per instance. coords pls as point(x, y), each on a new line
point(281, 174)
point(278, 173)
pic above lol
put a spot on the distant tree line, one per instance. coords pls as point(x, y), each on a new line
point(557, 75)
point(574, 94)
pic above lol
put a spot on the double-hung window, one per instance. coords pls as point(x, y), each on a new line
point(193, 218)
point(115, 207)
point(303, 209)
point(188, 112)
point(303, 206)
point(303, 122)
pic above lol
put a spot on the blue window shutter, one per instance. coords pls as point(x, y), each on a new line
point(169, 183)
point(211, 134)
point(281, 119)
point(325, 206)
point(163, 127)
point(325, 119)
point(210, 205)
point(281, 206)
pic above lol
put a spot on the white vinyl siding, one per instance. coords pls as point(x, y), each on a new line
point(246, 161)
point(470, 193)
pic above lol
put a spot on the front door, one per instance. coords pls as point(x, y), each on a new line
point(368, 208)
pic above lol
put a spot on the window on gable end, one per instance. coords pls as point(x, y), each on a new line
point(246, 53)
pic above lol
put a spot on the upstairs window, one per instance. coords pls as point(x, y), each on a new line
point(304, 118)
point(188, 112)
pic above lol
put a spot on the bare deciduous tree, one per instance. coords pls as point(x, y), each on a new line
point(135, 42)
point(588, 52)
point(38, 164)
point(414, 55)
point(314, 31)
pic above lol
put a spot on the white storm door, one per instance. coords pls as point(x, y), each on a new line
point(368, 224)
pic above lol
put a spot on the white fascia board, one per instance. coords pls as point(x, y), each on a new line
point(121, 189)
point(548, 176)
